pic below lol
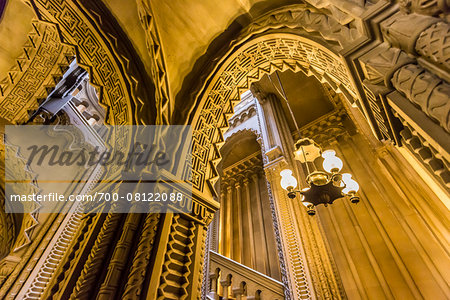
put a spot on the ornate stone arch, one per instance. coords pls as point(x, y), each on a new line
point(241, 67)
point(244, 64)
point(105, 51)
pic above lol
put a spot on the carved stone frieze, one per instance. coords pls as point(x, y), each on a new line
point(309, 19)
point(425, 90)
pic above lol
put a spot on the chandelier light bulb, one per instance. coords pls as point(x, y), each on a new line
point(288, 182)
point(351, 186)
point(331, 163)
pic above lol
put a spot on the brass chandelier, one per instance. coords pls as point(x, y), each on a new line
point(324, 187)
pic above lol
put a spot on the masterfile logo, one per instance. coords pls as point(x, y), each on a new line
point(122, 169)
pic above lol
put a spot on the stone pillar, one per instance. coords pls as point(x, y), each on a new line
point(228, 227)
point(249, 241)
point(405, 94)
point(237, 226)
point(222, 219)
point(260, 239)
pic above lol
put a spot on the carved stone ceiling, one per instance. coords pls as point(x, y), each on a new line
point(305, 95)
point(15, 24)
point(191, 28)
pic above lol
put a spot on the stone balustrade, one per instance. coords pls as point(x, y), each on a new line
point(232, 280)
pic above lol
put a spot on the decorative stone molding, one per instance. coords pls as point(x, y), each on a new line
point(44, 58)
point(110, 58)
point(330, 125)
point(308, 18)
point(48, 268)
point(158, 67)
point(244, 115)
point(425, 90)
point(397, 30)
point(430, 158)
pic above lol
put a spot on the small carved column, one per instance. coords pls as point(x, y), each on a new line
point(213, 283)
point(225, 283)
point(238, 292)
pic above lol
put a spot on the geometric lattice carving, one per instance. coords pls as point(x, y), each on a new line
point(38, 69)
point(248, 65)
point(110, 67)
point(300, 16)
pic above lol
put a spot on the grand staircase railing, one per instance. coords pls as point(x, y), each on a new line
point(232, 280)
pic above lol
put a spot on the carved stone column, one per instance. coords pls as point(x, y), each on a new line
point(261, 265)
point(213, 279)
point(225, 283)
point(268, 103)
point(307, 261)
point(222, 219)
point(249, 241)
point(237, 226)
point(229, 223)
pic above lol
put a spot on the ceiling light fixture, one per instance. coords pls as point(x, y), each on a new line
point(324, 187)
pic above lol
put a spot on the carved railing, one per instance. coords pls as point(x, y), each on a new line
point(231, 280)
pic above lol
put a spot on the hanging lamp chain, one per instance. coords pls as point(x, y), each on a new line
point(283, 95)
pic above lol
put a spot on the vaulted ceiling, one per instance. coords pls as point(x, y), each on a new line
point(192, 30)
